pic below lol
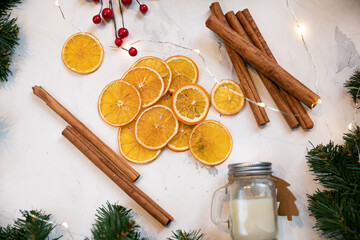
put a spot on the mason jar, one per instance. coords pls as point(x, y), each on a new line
point(250, 195)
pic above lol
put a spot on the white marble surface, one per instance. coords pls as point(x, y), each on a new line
point(40, 169)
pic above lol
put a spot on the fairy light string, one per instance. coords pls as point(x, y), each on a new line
point(301, 31)
point(63, 225)
point(197, 52)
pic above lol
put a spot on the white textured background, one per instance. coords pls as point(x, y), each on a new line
point(40, 169)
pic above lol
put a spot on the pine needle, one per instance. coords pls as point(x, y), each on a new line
point(337, 168)
point(114, 222)
point(8, 37)
point(191, 235)
point(353, 85)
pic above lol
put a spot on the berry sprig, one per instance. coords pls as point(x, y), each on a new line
point(142, 7)
point(97, 18)
point(108, 14)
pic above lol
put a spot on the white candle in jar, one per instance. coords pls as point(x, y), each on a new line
point(253, 219)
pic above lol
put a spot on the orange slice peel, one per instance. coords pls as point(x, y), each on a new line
point(155, 127)
point(119, 103)
point(210, 142)
point(149, 83)
point(131, 149)
point(227, 97)
point(183, 71)
point(82, 53)
point(191, 103)
point(159, 66)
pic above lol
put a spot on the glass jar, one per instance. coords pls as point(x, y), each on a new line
point(251, 201)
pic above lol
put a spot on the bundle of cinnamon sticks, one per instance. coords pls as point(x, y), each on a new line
point(104, 157)
point(245, 45)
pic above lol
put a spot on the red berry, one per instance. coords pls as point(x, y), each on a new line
point(107, 13)
point(126, 2)
point(96, 1)
point(132, 52)
point(118, 42)
point(123, 33)
point(143, 8)
point(97, 19)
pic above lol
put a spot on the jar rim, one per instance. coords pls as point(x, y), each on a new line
point(250, 168)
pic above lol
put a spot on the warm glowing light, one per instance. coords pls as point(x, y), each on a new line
point(319, 101)
point(301, 29)
point(65, 225)
point(197, 51)
point(350, 126)
point(261, 104)
point(57, 3)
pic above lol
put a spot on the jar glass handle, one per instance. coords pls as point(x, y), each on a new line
point(220, 197)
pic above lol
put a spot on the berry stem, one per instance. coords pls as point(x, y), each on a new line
point(101, 6)
point(111, 7)
point(138, 2)
point(121, 12)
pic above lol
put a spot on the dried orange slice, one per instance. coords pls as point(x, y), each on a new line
point(158, 65)
point(165, 100)
point(119, 103)
point(227, 97)
point(155, 127)
point(191, 103)
point(210, 142)
point(183, 71)
point(82, 53)
point(131, 149)
point(180, 142)
point(149, 83)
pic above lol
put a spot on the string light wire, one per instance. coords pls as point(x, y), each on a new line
point(63, 225)
point(197, 51)
point(301, 31)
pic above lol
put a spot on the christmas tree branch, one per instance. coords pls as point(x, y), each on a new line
point(183, 235)
point(353, 85)
point(8, 37)
point(114, 222)
point(33, 225)
point(337, 168)
point(6, 5)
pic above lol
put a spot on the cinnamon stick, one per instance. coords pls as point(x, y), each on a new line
point(119, 179)
point(254, 32)
point(263, 63)
point(89, 135)
point(243, 74)
point(272, 88)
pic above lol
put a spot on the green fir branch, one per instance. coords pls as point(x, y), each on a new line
point(6, 5)
point(7, 233)
point(336, 216)
point(8, 40)
point(337, 168)
point(114, 222)
point(353, 85)
point(8, 37)
point(33, 225)
point(191, 235)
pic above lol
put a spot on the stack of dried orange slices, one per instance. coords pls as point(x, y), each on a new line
point(157, 103)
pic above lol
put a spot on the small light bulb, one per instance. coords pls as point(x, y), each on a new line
point(57, 3)
point(350, 126)
point(197, 51)
point(301, 29)
point(261, 104)
point(319, 101)
point(65, 225)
